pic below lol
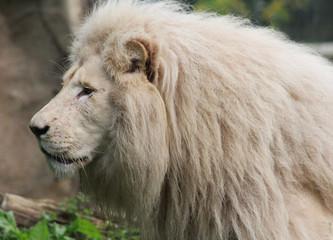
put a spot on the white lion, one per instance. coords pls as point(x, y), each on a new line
point(195, 126)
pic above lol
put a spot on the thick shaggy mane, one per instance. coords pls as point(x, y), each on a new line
point(247, 131)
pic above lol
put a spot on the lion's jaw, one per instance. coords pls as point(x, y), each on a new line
point(75, 119)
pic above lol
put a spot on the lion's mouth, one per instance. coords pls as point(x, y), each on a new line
point(62, 159)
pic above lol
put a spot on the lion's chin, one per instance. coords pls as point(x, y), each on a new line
point(64, 160)
point(66, 167)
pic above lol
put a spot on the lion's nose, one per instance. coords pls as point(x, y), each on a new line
point(39, 131)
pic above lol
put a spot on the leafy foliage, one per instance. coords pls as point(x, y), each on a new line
point(9, 229)
point(79, 226)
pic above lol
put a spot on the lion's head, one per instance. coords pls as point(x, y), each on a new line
point(107, 101)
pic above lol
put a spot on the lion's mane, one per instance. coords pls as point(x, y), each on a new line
point(249, 126)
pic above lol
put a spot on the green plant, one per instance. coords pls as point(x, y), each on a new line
point(79, 225)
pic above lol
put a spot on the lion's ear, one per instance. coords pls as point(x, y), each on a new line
point(141, 58)
point(138, 56)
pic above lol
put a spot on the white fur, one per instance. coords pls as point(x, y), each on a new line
point(233, 139)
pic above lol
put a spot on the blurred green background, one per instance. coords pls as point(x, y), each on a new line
point(302, 20)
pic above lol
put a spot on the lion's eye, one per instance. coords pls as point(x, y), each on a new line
point(85, 91)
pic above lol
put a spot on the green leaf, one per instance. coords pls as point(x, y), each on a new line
point(69, 238)
point(23, 236)
point(7, 222)
point(40, 231)
point(49, 217)
point(59, 231)
point(8, 226)
point(84, 226)
point(11, 219)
